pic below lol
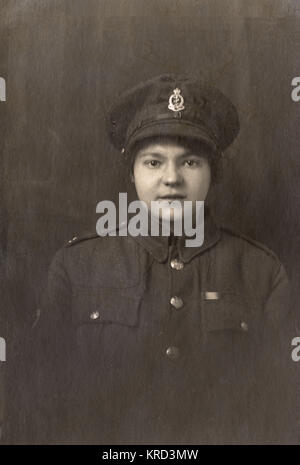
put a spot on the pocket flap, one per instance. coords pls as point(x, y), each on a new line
point(107, 306)
point(228, 312)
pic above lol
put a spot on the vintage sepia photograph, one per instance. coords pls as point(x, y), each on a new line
point(150, 224)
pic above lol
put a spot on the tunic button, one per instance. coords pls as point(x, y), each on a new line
point(244, 326)
point(172, 352)
point(94, 315)
point(177, 264)
point(176, 302)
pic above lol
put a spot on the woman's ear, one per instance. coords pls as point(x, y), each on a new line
point(131, 176)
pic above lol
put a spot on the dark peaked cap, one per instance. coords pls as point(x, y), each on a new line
point(171, 105)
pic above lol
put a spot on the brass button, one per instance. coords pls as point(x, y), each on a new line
point(176, 302)
point(177, 264)
point(172, 352)
point(244, 326)
point(94, 315)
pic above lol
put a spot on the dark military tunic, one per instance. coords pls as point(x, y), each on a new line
point(146, 341)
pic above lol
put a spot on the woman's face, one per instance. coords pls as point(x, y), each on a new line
point(166, 170)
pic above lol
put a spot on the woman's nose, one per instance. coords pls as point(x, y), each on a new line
point(171, 175)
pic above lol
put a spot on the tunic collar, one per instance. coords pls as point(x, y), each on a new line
point(159, 246)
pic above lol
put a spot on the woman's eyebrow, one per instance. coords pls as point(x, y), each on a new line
point(190, 153)
point(152, 154)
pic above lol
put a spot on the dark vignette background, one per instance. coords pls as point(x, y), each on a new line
point(65, 60)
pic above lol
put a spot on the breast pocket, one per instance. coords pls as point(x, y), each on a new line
point(230, 321)
point(106, 323)
point(106, 306)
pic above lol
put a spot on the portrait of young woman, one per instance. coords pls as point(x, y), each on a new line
point(144, 340)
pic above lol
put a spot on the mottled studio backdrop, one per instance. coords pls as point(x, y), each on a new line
point(65, 60)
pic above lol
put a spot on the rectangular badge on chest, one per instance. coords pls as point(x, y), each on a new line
point(211, 295)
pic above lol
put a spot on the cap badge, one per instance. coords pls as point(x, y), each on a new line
point(176, 101)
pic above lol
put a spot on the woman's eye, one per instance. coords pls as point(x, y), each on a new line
point(191, 163)
point(152, 163)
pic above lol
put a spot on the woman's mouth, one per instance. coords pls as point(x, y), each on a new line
point(171, 198)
